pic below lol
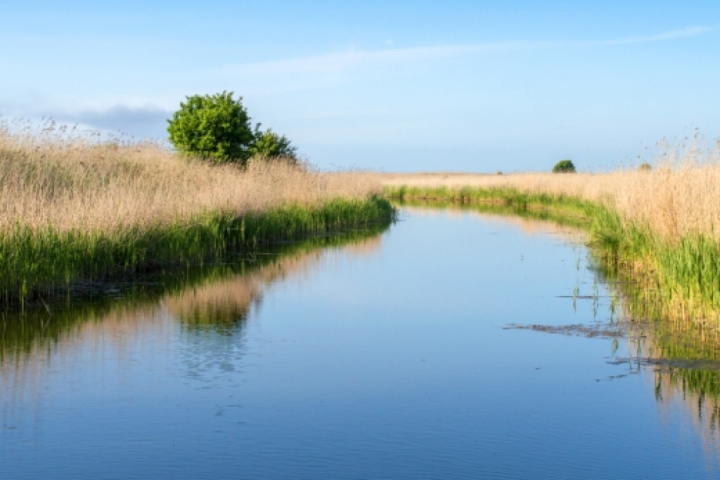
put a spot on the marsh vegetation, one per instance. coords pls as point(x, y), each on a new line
point(404, 330)
point(77, 209)
point(659, 227)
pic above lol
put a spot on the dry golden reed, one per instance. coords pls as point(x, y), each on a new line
point(658, 227)
point(73, 181)
point(680, 196)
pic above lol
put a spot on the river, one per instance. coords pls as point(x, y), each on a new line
point(407, 354)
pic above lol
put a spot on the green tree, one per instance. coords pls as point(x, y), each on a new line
point(269, 144)
point(564, 166)
point(213, 127)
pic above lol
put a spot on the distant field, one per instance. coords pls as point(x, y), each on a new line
point(674, 200)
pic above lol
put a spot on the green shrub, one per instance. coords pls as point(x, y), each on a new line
point(564, 166)
point(644, 167)
point(213, 127)
point(271, 145)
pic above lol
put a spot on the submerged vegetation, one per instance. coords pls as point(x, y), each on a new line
point(76, 211)
point(657, 228)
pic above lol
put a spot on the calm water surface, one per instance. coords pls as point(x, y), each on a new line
point(386, 358)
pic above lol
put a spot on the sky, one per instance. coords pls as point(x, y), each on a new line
point(396, 86)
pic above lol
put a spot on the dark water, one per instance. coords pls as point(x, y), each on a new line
point(385, 358)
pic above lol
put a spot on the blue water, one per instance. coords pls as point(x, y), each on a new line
point(383, 360)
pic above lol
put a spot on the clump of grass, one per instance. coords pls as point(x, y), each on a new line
point(74, 208)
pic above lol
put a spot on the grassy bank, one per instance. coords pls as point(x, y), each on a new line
point(75, 211)
point(42, 263)
point(673, 285)
point(673, 271)
point(216, 296)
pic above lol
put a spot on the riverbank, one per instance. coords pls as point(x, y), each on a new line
point(198, 294)
point(655, 233)
point(76, 213)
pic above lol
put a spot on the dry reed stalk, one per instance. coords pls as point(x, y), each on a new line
point(678, 198)
point(71, 181)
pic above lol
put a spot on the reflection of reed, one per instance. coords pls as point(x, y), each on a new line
point(366, 248)
point(687, 372)
point(119, 333)
point(31, 344)
point(224, 303)
point(530, 223)
point(673, 345)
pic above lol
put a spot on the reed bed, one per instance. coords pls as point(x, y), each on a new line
point(661, 226)
point(674, 200)
point(73, 207)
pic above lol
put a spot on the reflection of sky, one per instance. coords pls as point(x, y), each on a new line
point(393, 365)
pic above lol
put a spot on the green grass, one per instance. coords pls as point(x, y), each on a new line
point(674, 286)
point(680, 280)
point(39, 264)
point(45, 324)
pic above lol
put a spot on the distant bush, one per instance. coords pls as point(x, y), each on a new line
point(644, 167)
point(564, 166)
point(269, 144)
point(213, 127)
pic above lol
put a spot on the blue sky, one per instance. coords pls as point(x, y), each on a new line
point(398, 86)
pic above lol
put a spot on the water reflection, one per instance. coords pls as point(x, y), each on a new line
point(212, 300)
point(302, 360)
point(530, 222)
point(685, 370)
point(683, 357)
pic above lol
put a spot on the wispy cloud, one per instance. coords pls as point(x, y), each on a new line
point(358, 59)
point(139, 121)
point(660, 37)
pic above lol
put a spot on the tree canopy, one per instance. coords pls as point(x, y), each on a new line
point(213, 127)
point(564, 166)
point(269, 144)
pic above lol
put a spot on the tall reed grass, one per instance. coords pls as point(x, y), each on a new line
point(660, 225)
point(73, 207)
